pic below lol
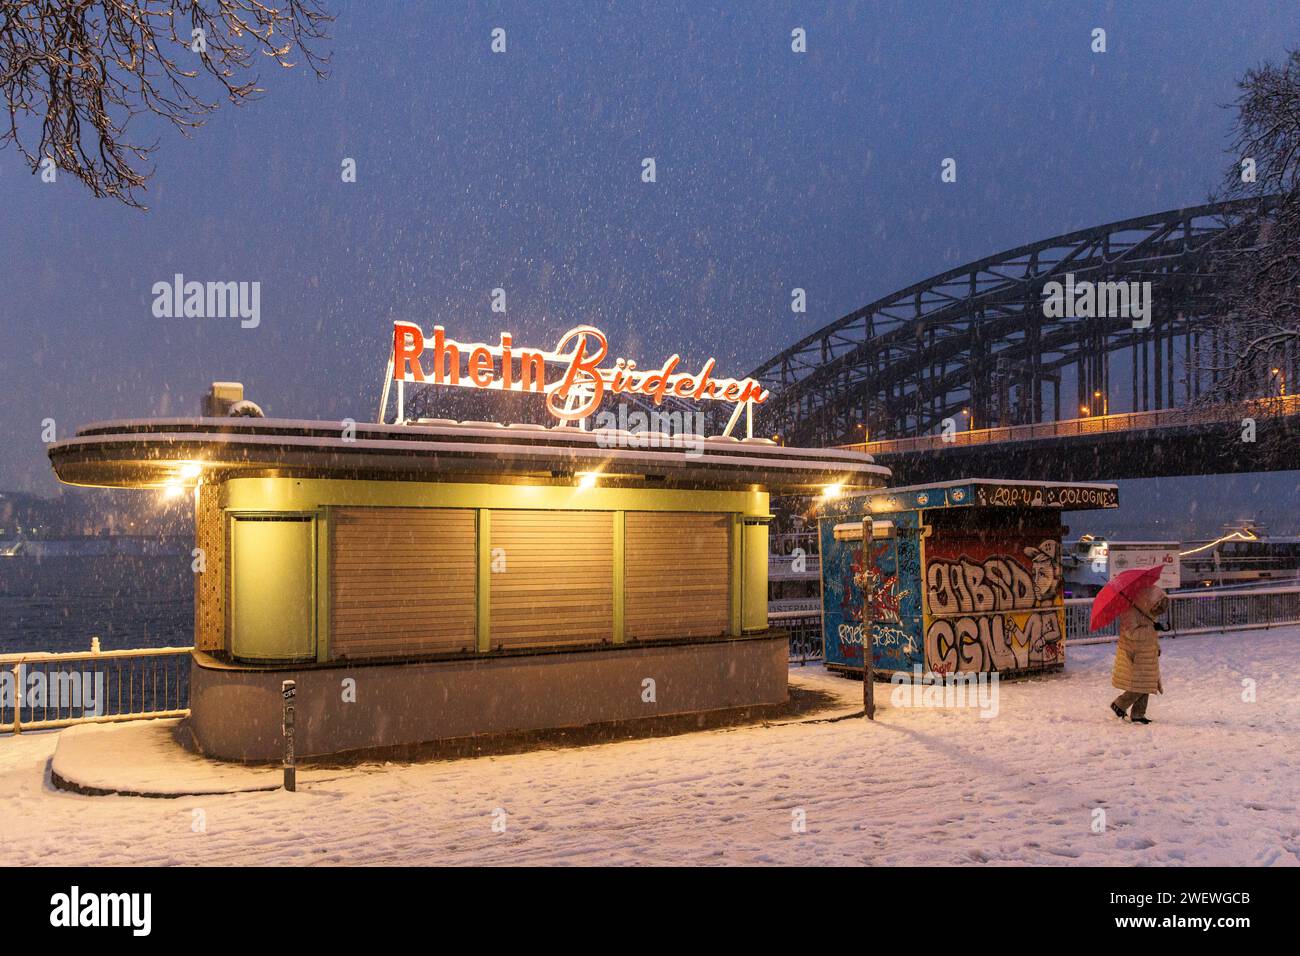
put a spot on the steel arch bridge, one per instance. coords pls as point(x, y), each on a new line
point(973, 344)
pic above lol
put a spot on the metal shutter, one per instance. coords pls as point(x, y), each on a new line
point(553, 577)
point(403, 581)
point(678, 575)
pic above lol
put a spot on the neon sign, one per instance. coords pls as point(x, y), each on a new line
point(573, 394)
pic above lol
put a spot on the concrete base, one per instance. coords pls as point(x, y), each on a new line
point(235, 710)
point(145, 758)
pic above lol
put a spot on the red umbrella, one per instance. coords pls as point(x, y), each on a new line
point(1119, 594)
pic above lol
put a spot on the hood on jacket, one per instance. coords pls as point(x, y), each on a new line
point(1151, 600)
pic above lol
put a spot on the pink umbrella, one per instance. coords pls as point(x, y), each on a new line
point(1119, 594)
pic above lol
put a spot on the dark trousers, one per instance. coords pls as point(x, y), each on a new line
point(1135, 700)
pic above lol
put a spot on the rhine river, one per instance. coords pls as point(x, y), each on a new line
point(128, 601)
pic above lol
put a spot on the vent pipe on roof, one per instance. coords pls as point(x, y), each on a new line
point(221, 396)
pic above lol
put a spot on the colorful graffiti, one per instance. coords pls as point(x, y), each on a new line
point(849, 583)
point(994, 610)
point(881, 589)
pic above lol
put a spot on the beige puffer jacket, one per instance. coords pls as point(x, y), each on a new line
point(1137, 657)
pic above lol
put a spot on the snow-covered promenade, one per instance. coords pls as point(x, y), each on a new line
point(1213, 781)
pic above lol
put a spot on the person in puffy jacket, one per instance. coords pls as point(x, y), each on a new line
point(1137, 656)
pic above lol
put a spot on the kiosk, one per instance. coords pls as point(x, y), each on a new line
point(426, 580)
point(956, 577)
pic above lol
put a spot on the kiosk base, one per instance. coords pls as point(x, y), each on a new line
point(236, 709)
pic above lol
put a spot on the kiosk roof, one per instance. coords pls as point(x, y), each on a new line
point(978, 492)
point(144, 453)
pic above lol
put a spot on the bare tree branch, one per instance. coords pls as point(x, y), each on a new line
point(1252, 346)
point(82, 70)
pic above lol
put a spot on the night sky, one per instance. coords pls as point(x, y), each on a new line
point(522, 171)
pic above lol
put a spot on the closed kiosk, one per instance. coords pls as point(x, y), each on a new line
point(952, 577)
point(424, 579)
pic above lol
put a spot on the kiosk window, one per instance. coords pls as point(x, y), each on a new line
point(403, 581)
point(553, 577)
point(678, 575)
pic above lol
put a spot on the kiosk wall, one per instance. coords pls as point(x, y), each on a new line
point(958, 577)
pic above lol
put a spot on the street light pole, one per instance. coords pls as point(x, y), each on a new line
point(868, 675)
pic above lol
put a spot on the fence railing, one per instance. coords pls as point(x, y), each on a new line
point(1198, 612)
point(805, 627)
point(1091, 425)
point(39, 690)
point(1190, 612)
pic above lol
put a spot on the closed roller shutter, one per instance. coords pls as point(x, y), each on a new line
point(678, 571)
point(556, 583)
point(403, 581)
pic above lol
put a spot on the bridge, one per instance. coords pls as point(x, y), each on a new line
point(1251, 436)
point(973, 348)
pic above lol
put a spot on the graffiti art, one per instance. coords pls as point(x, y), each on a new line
point(993, 607)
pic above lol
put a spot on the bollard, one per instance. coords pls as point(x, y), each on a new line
point(289, 690)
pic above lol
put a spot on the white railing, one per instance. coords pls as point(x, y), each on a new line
point(1198, 612)
point(42, 690)
point(1190, 612)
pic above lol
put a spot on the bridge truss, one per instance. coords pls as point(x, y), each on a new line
point(973, 345)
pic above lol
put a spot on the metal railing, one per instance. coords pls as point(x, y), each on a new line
point(40, 690)
point(1198, 612)
point(805, 627)
point(1190, 612)
point(1092, 425)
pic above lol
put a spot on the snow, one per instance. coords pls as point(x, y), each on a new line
point(1212, 781)
point(145, 757)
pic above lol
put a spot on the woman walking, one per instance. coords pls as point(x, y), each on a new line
point(1137, 656)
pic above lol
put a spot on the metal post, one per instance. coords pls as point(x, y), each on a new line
point(289, 690)
point(19, 697)
point(868, 676)
point(383, 398)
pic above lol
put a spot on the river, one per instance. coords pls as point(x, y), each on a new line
point(128, 601)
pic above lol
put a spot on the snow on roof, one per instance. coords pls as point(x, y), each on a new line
point(962, 482)
point(139, 452)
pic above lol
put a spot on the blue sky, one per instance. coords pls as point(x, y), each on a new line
point(521, 171)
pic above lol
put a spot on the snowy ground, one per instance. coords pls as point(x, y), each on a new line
point(1213, 781)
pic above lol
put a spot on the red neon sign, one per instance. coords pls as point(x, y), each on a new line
point(577, 391)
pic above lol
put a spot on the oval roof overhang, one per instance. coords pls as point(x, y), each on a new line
point(147, 453)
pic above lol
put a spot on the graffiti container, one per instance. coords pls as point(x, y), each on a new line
point(958, 576)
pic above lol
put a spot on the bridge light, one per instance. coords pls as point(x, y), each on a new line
point(1083, 410)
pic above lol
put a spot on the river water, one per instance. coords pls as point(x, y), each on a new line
point(128, 601)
